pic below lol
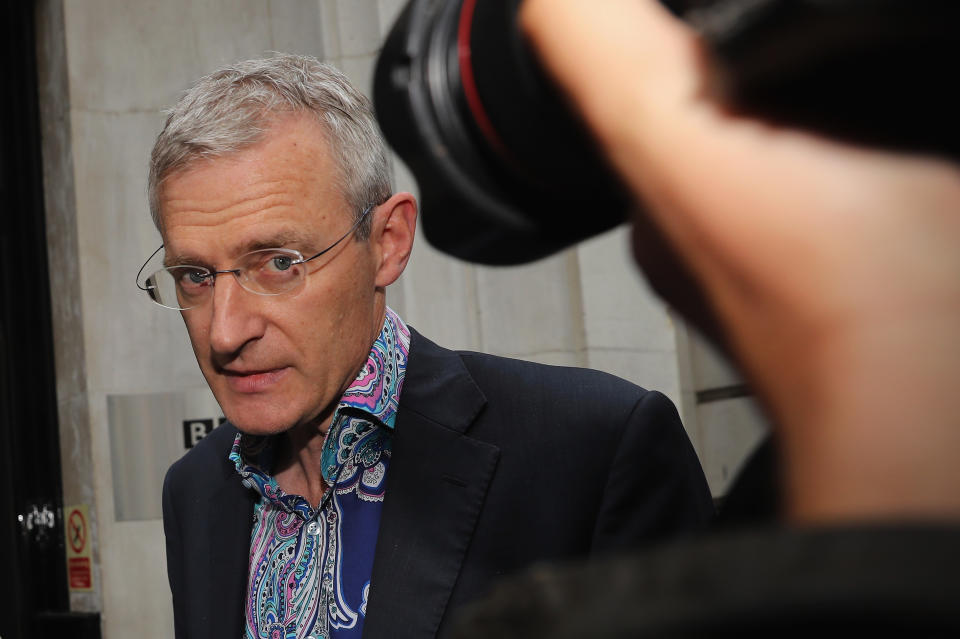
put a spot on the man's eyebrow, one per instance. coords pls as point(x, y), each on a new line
point(281, 239)
point(181, 260)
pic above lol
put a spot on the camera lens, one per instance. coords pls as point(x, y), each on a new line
point(506, 173)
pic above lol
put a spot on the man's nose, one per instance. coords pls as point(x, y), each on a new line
point(236, 319)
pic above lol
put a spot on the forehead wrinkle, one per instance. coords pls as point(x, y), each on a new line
point(269, 195)
point(244, 202)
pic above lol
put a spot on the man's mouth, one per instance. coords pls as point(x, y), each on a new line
point(253, 381)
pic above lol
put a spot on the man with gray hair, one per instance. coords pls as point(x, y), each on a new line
point(368, 481)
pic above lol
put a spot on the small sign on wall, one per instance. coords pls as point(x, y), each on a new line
point(196, 429)
point(79, 548)
point(148, 432)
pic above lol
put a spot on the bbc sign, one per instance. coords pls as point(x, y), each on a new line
point(196, 429)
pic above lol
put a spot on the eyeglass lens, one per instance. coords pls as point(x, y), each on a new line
point(266, 272)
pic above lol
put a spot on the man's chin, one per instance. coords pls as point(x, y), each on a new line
point(262, 423)
point(256, 415)
point(259, 428)
point(260, 431)
point(264, 416)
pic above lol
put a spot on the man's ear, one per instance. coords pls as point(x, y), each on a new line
point(394, 225)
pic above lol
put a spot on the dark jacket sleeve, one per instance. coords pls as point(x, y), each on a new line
point(656, 487)
point(171, 531)
point(207, 514)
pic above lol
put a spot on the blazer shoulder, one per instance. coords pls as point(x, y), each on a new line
point(547, 399)
point(582, 384)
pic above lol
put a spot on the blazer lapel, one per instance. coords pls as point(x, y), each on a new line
point(436, 486)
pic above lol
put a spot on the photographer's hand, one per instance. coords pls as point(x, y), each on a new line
point(834, 270)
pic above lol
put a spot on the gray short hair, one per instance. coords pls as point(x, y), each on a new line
point(230, 109)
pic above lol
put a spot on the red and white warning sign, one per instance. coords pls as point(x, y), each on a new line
point(79, 555)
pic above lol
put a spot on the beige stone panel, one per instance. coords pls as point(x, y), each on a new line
point(331, 30)
point(533, 308)
point(688, 393)
point(620, 310)
point(295, 27)
point(709, 368)
point(358, 22)
point(389, 10)
point(360, 71)
point(139, 56)
point(730, 430)
point(439, 298)
point(131, 344)
point(437, 293)
point(130, 56)
point(101, 528)
point(137, 589)
point(403, 179)
point(396, 298)
point(225, 31)
point(132, 555)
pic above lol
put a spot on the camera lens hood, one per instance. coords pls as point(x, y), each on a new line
point(506, 173)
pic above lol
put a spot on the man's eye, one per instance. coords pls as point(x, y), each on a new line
point(281, 262)
point(190, 278)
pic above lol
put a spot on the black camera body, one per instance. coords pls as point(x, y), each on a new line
point(508, 174)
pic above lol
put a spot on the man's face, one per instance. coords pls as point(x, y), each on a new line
point(274, 362)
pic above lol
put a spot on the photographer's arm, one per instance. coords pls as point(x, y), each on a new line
point(833, 270)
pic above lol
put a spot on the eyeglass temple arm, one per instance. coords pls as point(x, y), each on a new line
point(342, 237)
point(150, 288)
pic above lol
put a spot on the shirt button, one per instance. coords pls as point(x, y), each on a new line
point(313, 528)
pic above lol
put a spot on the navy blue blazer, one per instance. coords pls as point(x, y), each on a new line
point(497, 464)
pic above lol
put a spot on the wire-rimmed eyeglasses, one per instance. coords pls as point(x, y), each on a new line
point(272, 271)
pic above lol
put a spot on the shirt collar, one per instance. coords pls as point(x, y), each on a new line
point(375, 393)
point(376, 389)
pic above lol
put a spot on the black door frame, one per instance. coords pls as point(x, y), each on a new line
point(34, 582)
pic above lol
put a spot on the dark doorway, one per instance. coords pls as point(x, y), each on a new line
point(33, 587)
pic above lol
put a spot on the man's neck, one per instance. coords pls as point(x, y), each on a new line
point(299, 468)
point(299, 455)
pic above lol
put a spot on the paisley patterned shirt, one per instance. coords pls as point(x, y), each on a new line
point(310, 568)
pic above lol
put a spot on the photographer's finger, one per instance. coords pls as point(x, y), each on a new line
point(617, 59)
point(636, 74)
